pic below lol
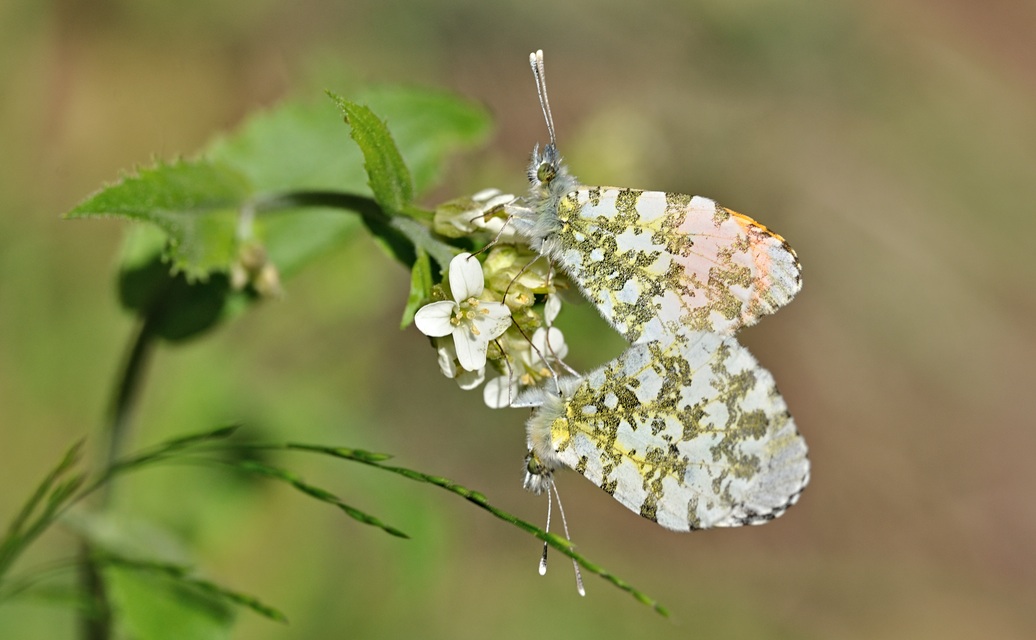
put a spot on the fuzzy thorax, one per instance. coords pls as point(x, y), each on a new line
point(535, 216)
point(542, 459)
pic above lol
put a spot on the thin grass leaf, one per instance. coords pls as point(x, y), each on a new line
point(71, 457)
point(359, 455)
point(182, 575)
point(283, 475)
point(563, 545)
point(221, 433)
point(65, 490)
point(22, 585)
point(21, 532)
point(164, 451)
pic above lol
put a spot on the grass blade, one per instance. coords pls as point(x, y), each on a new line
point(290, 478)
point(20, 532)
point(559, 543)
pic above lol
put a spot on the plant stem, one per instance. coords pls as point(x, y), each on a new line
point(125, 399)
point(96, 621)
point(402, 232)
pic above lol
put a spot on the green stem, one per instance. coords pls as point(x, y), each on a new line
point(125, 399)
point(96, 622)
point(332, 199)
point(401, 232)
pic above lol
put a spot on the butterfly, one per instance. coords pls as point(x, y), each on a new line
point(690, 434)
point(655, 264)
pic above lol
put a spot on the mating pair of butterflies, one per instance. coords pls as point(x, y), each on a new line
point(685, 427)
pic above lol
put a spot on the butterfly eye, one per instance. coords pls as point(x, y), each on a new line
point(533, 465)
point(546, 172)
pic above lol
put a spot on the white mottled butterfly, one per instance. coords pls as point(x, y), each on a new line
point(691, 434)
point(654, 263)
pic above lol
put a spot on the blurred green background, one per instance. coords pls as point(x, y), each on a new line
point(892, 143)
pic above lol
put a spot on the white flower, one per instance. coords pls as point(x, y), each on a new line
point(528, 369)
point(473, 323)
point(466, 380)
point(551, 310)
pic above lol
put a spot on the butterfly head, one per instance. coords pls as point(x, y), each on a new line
point(548, 176)
point(538, 476)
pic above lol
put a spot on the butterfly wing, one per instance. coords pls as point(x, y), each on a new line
point(690, 435)
point(658, 264)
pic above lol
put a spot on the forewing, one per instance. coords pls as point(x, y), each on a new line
point(691, 435)
point(660, 264)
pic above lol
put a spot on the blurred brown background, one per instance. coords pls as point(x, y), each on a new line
point(892, 143)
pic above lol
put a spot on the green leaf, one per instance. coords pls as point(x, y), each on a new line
point(420, 287)
point(179, 281)
point(196, 203)
point(174, 307)
point(296, 146)
point(387, 174)
point(428, 127)
point(301, 146)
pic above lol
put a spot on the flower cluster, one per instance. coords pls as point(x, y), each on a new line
point(496, 316)
point(470, 321)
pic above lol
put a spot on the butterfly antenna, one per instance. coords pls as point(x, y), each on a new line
point(543, 558)
point(564, 524)
point(536, 62)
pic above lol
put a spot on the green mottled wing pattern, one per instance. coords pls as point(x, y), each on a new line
point(690, 435)
point(657, 264)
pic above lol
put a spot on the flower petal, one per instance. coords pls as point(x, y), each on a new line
point(447, 358)
point(468, 380)
point(492, 320)
point(550, 343)
point(471, 349)
point(466, 279)
point(551, 308)
point(486, 194)
point(499, 393)
point(434, 319)
point(499, 200)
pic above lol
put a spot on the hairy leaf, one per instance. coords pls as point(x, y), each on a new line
point(387, 174)
point(195, 202)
